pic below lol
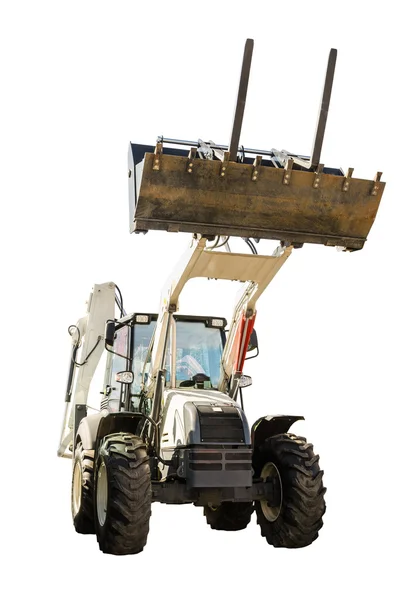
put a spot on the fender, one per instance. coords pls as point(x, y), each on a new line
point(270, 425)
point(95, 427)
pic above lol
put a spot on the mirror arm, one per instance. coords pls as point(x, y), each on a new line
point(255, 355)
point(116, 353)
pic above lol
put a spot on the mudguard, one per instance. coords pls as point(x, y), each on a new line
point(270, 425)
point(95, 427)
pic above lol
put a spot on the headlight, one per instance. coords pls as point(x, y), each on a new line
point(125, 376)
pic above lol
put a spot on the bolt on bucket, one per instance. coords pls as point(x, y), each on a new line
point(213, 190)
point(213, 197)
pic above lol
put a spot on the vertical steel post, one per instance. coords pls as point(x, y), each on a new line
point(241, 97)
point(324, 107)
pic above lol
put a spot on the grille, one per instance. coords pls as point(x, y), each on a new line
point(240, 466)
point(207, 456)
point(238, 455)
point(205, 466)
point(220, 426)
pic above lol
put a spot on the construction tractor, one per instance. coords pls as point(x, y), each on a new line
point(171, 426)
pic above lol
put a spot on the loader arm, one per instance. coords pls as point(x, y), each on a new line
point(261, 272)
point(256, 271)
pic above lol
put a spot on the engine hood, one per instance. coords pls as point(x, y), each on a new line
point(189, 395)
point(187, 411)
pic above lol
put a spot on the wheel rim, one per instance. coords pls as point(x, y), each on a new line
point(76, 496)
point(271, 513)
point(102, 494)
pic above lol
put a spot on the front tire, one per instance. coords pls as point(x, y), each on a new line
point(83, 490)
point(123, 494)
point(296, 518)
point(229, 516)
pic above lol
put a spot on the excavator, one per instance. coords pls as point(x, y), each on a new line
point(170, 426)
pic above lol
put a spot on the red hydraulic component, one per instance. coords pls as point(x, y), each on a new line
point(241, 341)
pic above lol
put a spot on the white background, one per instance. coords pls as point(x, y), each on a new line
point(78, 81)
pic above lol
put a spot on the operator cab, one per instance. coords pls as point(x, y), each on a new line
point(193, 359)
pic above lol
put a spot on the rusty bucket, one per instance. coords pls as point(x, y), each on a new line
point(179, 193)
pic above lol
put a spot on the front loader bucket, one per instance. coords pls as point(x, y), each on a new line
point(235, 191)
point(174, 192)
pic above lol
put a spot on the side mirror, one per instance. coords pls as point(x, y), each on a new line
point(109, 333)
point(253, 343)
point(245, 381)
point(125, 377)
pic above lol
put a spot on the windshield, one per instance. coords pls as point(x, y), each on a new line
point(198, 350)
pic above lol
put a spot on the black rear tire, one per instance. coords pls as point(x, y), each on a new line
point(123, 499)
point(302, 505)
point(229, 516)
point(82, 503)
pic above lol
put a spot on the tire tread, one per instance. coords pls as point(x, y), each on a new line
point(229, 516)
point(126, 526)
point(303, 504)
point(84, 520)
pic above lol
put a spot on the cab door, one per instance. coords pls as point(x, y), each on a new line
point(115, 394)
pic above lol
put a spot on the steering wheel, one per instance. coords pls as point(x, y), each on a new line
point(187, 383)
point(200, 378)
point(196, 379)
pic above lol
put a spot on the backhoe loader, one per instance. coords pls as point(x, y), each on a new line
point(171, 426)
